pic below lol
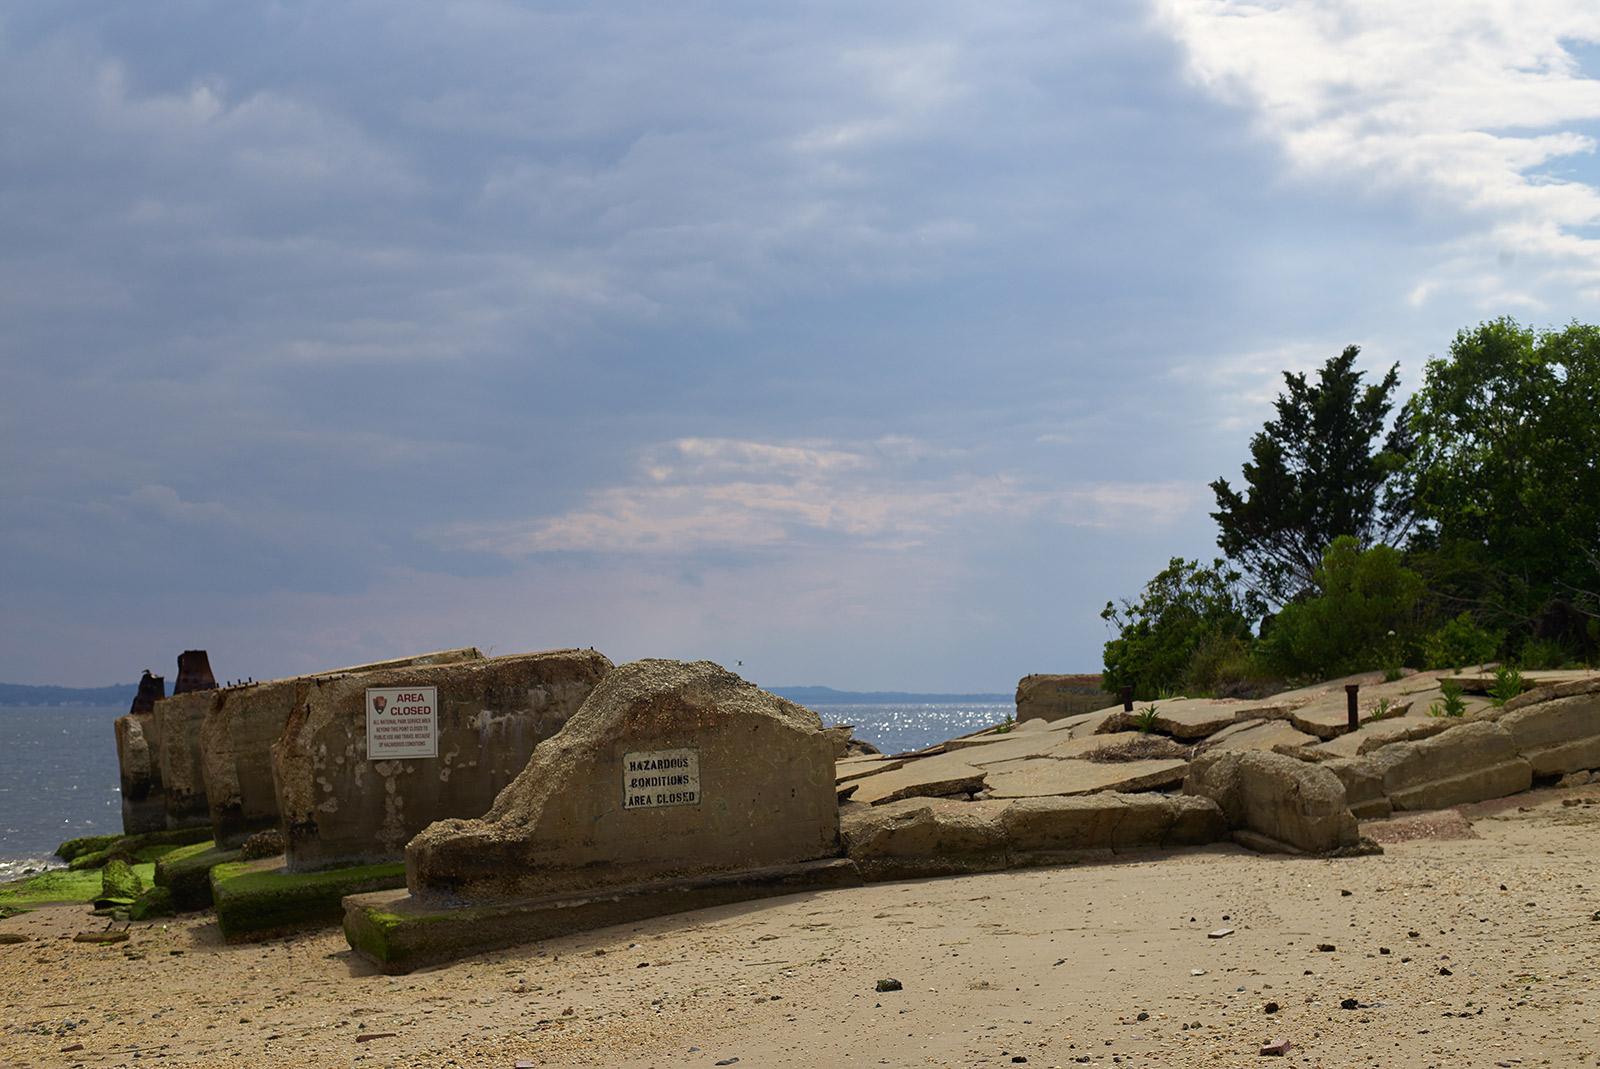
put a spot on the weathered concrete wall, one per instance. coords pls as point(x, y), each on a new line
point(178, 721)
point(578, 817)
point(236, 740)
point(144, 806)
point(144, 803)
point(338, 807)
point(1051, 697)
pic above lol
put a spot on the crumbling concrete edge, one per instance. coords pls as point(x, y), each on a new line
point(399, 933)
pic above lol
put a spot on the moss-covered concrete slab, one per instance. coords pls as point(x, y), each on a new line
point(258, 899)
point(186, 872)
point(399, 933)
point(93, 852)
point(61, 885)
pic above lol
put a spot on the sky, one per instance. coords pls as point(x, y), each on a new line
point(867, 346)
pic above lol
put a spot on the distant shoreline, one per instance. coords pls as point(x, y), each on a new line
point(829, 696)
point(17, 694)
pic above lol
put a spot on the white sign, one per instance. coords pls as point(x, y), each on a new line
point(653, 778)
point(402, 722)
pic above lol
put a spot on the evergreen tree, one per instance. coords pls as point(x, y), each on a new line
point(1314, 477)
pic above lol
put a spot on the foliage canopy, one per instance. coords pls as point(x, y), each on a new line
point(1506, 469)
point(1182, 608)
point(1314, 476)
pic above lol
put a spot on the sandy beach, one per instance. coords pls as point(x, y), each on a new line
point(1471, 941)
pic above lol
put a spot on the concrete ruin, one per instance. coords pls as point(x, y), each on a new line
point(183, 779)
point(670, 770)
point(478, 724)
point(676, 786)
point(1288, 775)
point(144, 804)
point(1052, 697)
point(236, 737)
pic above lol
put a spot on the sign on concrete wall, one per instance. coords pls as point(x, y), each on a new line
point(652, 778)
point(402, 722)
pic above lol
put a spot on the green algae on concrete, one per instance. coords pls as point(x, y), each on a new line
point(398, 933)
point(73, 849)
point(119, 884)
point(258, 900)
point(186, 872)
point(152, 902)
point(141, 846)
point(61, 885)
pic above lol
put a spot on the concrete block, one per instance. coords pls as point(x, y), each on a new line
point(239, 730)
point(752, 786)
point(1052, 697)
point(340, 807)
point(1474, 785)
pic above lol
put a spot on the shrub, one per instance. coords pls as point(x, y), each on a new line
point(1183, 608)
point(1458, 643)
point(1367, 600)
point(1450, 702)
point(1144, 721)
point(1547, 653)
point(1507, 685)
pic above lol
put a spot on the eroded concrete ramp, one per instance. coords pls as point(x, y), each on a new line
point(399, 932)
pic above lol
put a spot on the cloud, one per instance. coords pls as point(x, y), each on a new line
point(1462, 104)
point(696, 494)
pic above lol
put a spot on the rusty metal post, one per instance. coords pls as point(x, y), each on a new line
point(194, 672)
point(1127, 699)
point(1350, 690)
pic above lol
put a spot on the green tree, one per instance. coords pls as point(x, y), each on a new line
point(1183, 607)
point(1314, 476)
point(1365, 606)
point(1506, 470)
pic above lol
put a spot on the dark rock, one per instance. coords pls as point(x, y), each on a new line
point(1326, 948)
point(1445, 972)
point(1350, 1004)
point(1271, 1007)
point(890, 985)
point(151, 690)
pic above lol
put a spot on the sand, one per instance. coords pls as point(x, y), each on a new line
point(1101, 964)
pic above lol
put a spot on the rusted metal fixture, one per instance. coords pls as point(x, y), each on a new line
point(1127, 699)
point(1350, 690)
point(194, 673)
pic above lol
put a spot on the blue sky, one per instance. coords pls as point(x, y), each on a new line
point(875, 348)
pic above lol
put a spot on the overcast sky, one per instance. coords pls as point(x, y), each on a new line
point(874, 346)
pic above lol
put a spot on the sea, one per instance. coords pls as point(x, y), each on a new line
point(59, 779)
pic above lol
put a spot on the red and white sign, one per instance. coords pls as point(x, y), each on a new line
point(402, 722)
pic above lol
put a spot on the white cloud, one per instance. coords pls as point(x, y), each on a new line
point(699, 494)
point(1458, 102)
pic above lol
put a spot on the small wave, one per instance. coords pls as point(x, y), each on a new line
point(13, 867)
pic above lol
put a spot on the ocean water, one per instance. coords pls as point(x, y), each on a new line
point(895, 728)
point(58, 780)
